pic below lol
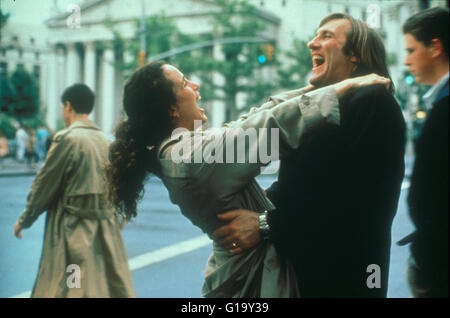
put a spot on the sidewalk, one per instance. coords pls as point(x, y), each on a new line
point(11, 168)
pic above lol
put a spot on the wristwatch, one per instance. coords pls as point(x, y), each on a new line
point(264, 226)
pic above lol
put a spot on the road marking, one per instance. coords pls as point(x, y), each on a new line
point(156, 256)
point(170, 251)
point(26, 294)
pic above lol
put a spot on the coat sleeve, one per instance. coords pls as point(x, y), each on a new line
point(428, 195)
point(48, 185)
point(271, 102)
point(237, 159)
point(272, 193)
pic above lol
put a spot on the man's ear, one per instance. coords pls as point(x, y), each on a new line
point(69, 106)
point(436, 48)
point(354, 59)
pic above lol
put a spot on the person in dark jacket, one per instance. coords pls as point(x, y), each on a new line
point(337, 196)
point(426, 37)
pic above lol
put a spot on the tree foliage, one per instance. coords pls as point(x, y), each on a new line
point(20, 97)
point(3, 18)
point(161, 35)
point(239, 68)
point(297, 66)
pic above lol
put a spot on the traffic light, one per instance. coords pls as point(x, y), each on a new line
point(270, 51)
point(265, 53)
point(141, 58)
point(408, 78)
point(420, 114)
point(261, 57)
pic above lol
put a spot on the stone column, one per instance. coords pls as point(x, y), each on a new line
point(52, 89)
point(60, 65)
point(42, 61)
point(107, 102)
point(72, 66)
point(89, 73)
point(12, 58)
point(28, 59)
point(89, 65)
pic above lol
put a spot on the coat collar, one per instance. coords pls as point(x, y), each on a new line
point(443, 93)
point(86, 124)
point(434, 93)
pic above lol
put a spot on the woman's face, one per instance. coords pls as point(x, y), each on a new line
point(186, 110)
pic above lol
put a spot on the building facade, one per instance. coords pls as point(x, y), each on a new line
point(76, 53)
point(72, 43)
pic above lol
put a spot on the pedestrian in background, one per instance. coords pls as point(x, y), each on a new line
point(426, 37)
point(49, 140)
point(3, 147)
point(82, 228)
point(21, 143)
point(42, 135)
point(31, 148)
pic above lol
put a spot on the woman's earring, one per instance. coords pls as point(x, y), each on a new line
point(174, 113)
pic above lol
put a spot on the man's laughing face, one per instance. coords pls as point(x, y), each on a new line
point(330, 65)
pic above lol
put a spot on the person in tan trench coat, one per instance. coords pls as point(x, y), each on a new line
point(83, 252)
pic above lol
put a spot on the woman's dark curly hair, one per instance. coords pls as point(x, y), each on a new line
point(147, 100)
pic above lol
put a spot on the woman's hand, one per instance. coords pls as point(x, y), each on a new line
point(345, 86)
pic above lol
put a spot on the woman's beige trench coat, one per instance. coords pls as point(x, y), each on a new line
point(81, 226)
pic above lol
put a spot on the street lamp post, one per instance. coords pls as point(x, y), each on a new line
point(198, 45)
point(142, 54)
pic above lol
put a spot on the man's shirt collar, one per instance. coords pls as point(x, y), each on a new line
point(431, 95)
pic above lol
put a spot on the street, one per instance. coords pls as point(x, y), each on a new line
point(167, 254)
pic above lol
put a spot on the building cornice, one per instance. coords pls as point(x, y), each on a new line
point(60, 20)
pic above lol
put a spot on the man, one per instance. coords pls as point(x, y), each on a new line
point(336, 197)
point(83, 253)
point(426, 37)
point(42, 135)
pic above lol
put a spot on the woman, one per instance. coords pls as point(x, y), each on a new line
point(3, 147)
point(31, 148)
point(158, 99)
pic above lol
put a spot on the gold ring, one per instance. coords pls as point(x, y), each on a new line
point(234, 244)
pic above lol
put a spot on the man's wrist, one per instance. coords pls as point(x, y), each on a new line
point(264, 228)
